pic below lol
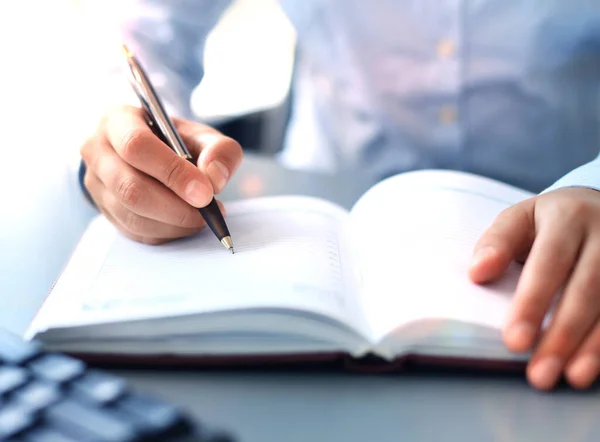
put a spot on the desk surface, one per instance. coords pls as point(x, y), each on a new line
point(265, 406)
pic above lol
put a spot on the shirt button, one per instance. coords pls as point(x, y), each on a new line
point(445, 48)
point(448, 114)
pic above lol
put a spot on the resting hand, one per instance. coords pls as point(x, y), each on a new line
point(557, 236)
point(148, 192)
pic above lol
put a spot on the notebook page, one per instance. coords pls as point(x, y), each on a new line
point(287, 255)
point(427, 224)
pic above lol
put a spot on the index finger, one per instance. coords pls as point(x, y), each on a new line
point(546, 269)
point(134, 141)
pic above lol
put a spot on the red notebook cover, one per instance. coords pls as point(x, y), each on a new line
point(310, 361)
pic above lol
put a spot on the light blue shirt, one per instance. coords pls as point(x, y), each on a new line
point(506, 89)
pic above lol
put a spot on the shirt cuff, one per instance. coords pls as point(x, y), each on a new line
point(81, 175)
point(587, 175)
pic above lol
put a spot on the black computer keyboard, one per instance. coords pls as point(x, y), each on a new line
point(51, 397)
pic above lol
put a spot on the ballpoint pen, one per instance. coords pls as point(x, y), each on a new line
point(163, 127)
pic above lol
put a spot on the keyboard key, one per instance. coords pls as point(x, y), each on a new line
point(57, 367)
point(11, 378)
point(99, 387)
point(51, 397)
point(14, 419)
point(155, 416)
point(92, 424)
point(14, 350)
point(47, 435)
point(37, 395)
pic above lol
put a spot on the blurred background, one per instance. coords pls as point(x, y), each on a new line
point(53, 53)
point(52, 50)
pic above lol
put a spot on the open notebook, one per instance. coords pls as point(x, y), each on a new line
point(388, 278)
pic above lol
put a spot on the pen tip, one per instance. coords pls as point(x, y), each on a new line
point(232, 252)
point(226, 241)
point(126, 51)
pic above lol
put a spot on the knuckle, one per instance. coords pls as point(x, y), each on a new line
point(132, 144)
point(86, 151)
point(507, 212)
point(107, 116)
point(129, 192)
point(572, 209)
point(175, 172)
point(515, 214)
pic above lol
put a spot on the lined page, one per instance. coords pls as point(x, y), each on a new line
point(287, 255)
point(428, 223)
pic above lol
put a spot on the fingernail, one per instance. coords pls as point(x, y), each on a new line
point(584, 368)
point(482, 255)
point(219, 174)
point(197, 193)
point(544, 374)
point(520, 335)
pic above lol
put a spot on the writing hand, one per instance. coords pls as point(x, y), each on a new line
point(557, 236)
point(144, 188)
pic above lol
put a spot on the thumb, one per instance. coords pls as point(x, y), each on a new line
point(508, 238)
point(217, 156)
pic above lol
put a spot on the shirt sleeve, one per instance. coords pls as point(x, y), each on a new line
point(587, 175)
point(167, 36)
